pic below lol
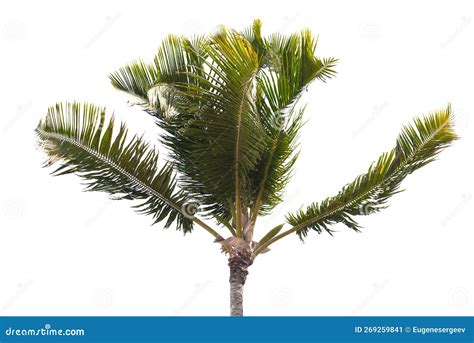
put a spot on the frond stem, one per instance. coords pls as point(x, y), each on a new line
point(347, 203)
point(131, 177)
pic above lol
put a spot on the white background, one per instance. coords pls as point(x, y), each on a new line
point(66, 252)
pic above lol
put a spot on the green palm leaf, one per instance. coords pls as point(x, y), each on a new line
point(150, 83)
point(226, 134)
point(275, 168)
point(227, 103)
point(291, 66)
point(417, 145)
point(228, 110)
point(79, 137)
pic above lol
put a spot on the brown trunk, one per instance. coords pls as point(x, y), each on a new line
point(238, 274)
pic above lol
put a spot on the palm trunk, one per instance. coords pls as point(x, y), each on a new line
point(238, 274)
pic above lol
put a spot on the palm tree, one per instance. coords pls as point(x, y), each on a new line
point(227, 106)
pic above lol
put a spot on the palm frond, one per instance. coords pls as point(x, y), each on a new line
point(227, 104)
point(294, 58)
point(275, 168)
point(291, 66)
point(417, 145)
point(136, 79)
point(222, 142)
point(151, 83)
point(254, 35)
point(83, 141)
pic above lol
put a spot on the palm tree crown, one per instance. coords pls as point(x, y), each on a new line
point(228, 106)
